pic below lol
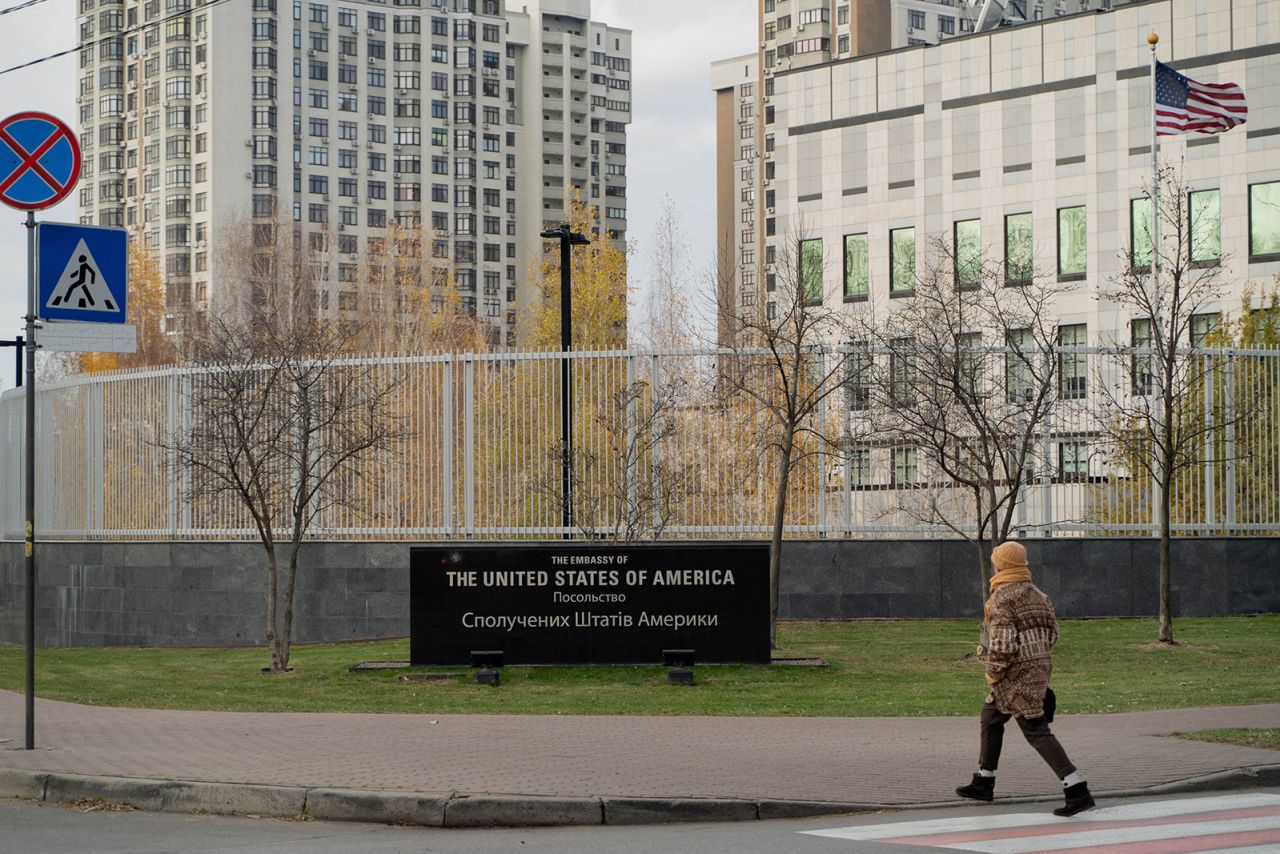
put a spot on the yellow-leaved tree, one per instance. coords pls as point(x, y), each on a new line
point(599, 282)
point(521, 400)
point(410, 301)
point(146, 311)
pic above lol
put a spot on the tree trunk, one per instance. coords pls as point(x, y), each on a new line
point(779, 519)
point(983, 518)
point(1166, 594)
point(273, 591)
point(984, 567)
point(286, 634)
point(1166, 500)
point(984, 574)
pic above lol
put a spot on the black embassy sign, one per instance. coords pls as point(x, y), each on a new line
point(583, 604)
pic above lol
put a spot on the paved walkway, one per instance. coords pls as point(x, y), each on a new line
point(896, 761)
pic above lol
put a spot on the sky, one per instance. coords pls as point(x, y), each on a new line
point(670, 144)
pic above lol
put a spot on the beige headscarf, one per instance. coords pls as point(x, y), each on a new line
point(1010, 562)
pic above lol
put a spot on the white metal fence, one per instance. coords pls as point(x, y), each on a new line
point(660, 447)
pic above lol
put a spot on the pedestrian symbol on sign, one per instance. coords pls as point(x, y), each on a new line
point(81, 286)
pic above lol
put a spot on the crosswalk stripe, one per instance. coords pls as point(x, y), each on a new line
point(1080, 827)
point(1125, 812)
point(886, 831)
point(1189, 845)
point(1091, 839)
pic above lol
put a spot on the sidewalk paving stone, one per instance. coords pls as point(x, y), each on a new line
point(577, 763)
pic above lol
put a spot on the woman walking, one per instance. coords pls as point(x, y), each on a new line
point(1023, 630)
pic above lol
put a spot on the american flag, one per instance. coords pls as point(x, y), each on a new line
point(1185, 106)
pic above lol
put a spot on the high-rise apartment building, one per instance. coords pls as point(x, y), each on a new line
point(800, 33)
point(346, 118)
point(738, 120)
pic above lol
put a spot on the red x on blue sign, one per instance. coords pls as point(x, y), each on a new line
point(39, 161)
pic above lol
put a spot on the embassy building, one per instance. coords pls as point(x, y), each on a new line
point(1030, 141)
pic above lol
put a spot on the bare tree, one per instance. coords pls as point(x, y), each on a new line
point(784, 362)
point(667, 315)
point(264, 264)
point(1157, 418)
point(410, 300)
point(279, 427)
point(631, 488)
point(960, 373)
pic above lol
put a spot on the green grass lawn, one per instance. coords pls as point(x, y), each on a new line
point(887, 668)
point(1247, 737)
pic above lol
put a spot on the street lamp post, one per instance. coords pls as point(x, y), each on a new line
point(568, 238)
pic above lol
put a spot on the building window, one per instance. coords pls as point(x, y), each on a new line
point(857, 268)
point(902, 370)
point(1204, 325)
point(1264, 220)
point(946, 25)
point(811, 270)
point(1018, 372)
point(915, 18)
point(858, 377)
point(906, 469)
point(1071, 243)
point(810, 46)
point(859, 467)
point(1073, 460)
point(1018, 251)
point(1141, 364)
point(1073, 367)
point(970, 364)
point(902, 260)
point(1140, 233)
point(1205, 228)
point(968, 253)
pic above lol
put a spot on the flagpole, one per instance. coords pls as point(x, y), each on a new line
point(1155, 292)
point(1153, 40)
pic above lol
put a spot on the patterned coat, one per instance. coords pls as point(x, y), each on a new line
point(1023, 630)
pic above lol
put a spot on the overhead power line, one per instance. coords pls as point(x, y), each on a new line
point(92, 44)
point(21, 6)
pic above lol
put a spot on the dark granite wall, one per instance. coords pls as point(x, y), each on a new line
point(191, 593)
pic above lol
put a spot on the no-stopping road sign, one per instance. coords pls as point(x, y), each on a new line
point(39, 161)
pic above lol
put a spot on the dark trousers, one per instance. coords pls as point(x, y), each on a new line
point(1036, 731)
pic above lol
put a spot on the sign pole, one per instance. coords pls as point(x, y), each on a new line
point(39, 165)
point(29, 492)
point(566, 385)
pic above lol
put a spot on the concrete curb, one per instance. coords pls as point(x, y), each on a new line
point(485, 810)
point(376, 807)
point(677, 810)
point(179, 795)
point(520, 811)
point(16, 783)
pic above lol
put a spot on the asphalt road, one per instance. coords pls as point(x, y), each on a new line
point(1242, 821)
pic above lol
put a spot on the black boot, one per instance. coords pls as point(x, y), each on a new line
point(1078, 800)
point(981, 789)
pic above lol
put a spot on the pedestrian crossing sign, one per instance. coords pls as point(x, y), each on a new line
point(83, 272)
